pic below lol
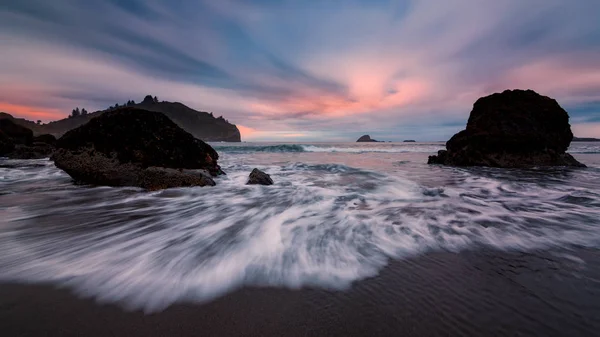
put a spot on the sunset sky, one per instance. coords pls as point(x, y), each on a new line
point(302, 70)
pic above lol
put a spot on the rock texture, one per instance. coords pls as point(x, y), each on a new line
point(366, 138)
point(258, 177)
point(515, 128)
point(134, 147)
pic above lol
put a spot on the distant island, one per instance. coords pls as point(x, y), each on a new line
point(202, 125)
point(367, 139)
point(410, 141)
point(577, 139)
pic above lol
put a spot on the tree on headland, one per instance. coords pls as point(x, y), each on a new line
point(39, 122)
point(155, 99)
point(84, 112)
point(75, 112)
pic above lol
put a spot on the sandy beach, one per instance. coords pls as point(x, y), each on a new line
point(438, 294)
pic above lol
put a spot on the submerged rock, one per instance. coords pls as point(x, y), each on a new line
point(366, 138)
point(135, 147)
point(516, 128)
point(258, 177)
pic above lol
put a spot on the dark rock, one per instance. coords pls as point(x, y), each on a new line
point(47, 138)
point(366, 138)
point(410, 141)
point(512, 129)
point(134, 147)
point(17, 142)
point(577, 139)
point(259, 177)
point(35, 151)
point(17, 133)
point(6, 144)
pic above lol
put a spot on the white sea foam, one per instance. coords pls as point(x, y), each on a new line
point(320, 225)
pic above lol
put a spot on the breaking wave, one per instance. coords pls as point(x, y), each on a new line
point(387, 148)
point(324, 225)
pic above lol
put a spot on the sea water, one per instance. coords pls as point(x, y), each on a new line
point(337, 214)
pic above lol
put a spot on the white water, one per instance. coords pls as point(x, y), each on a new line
point(320, 225)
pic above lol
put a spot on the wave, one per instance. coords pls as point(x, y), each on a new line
point(256, 148)
point(323, 225)
point(333, 149)
point(365, 148)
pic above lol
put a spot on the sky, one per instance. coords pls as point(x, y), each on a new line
point(302, 70)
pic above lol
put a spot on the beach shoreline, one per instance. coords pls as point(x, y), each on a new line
point(474, 293)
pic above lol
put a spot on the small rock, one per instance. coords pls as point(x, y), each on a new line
point(259, 177)
point(366, 139)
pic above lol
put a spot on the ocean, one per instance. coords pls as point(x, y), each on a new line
point(368, 236)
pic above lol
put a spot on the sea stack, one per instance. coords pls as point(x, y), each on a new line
point(515, 128)
point(366, 139)
point(135, 147)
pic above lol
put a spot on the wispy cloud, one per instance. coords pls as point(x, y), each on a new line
point(320, 69)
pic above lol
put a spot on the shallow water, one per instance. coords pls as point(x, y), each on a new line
point(337, 214)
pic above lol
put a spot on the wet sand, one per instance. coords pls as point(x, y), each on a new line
point(486, 293)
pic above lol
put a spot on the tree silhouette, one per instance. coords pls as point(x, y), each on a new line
point(84, 112)
point(155, 99)
point(39, 122)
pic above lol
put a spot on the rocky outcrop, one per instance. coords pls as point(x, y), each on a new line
point(17, 142)
point(258, 177)
point(409, 141)
point(46, 139)
point(6, 144)
point(17, 133)
point(134, 147)
point(34, 151)
point(515, 128)
point(366, 138)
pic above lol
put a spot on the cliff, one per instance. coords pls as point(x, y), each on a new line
point(200, 124)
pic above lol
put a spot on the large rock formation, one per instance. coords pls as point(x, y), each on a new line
point(200, 124)
point(134, 147)
point(515, 128)
point(365, 139)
